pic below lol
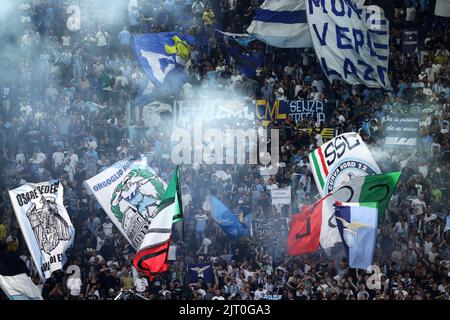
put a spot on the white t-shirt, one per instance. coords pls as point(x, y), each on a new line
point(186, 198)
point(202, 292)
point(218, 298)
point(411, 14)
point(319, 139)
point(436, 68)
point(427, 245)
point(58, 158)
point(260, 294)
point(279, 94)
point(432, 256)
point(318, 84)
point(107, 228)
point(74, 285)
point(20, 158)
point(232, 4)
point(99, 257)
point(236, 78)
point(248, 274)
point(430, 74)
point(141, 284)
point(73, 160)
point(91, 144)
point(420, 205)
point(288, 70)
point(102, 39)
point(41, 157)
point(100, 243)
point(65, 41)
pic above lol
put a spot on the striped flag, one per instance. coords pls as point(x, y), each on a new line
point(282, 23)
point(152, 257)
point(14, 280)
point(340, 160)
point(317, 224)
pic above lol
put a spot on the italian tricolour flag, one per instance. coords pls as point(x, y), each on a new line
point(316, 224)
point(152, 255)
point(319, 166)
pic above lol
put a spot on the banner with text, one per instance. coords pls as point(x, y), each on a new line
point(351, 41)
point(45, 224)
point(129, 192)
point(340, 160)
point(410, 41)
point(298, 110)
point(402, 130)
point(281, 196)
point(204, 109)
point(269, 228)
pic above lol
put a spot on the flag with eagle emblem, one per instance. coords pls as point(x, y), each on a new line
point(357, 224)
point(45, 224)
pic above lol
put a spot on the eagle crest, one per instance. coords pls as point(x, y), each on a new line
point(48, 225)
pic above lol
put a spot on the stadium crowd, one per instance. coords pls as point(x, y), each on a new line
point(68, 112)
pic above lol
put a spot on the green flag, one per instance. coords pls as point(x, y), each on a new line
point(172, 197)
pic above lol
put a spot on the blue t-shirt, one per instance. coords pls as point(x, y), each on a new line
point(201, 224)
point(125, 37)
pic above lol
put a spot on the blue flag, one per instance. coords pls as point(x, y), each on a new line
point(229, 223)
point(357, 224)
point(204, 271)
point(282, 24)
point(162, 57)
point(146, 93)
point(246, 63)
point(243, 39)
point(246, 217)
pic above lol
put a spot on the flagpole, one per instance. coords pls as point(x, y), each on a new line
point(184, 252)
point(184, 246)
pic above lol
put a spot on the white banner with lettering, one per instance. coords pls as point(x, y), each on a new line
point(351, 41)
point(339, 160)
point(281, 196)
point(45, 224)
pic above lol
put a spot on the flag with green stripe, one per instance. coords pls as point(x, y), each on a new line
point(151, 257)
point(168, 212)
point(374, 188)
point(317, 223)
point(340, 160)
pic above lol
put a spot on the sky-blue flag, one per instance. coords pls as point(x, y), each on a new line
point(162, 57)
point(282, 24)
point(229, 223)
point(242, 39)
point(246, 217)
point(357, 224)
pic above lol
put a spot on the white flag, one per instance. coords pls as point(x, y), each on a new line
point(351, 42)
point(442, 8)
point(281, 23)
point(340, 160)
point(129, 192)
point(45, 224)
